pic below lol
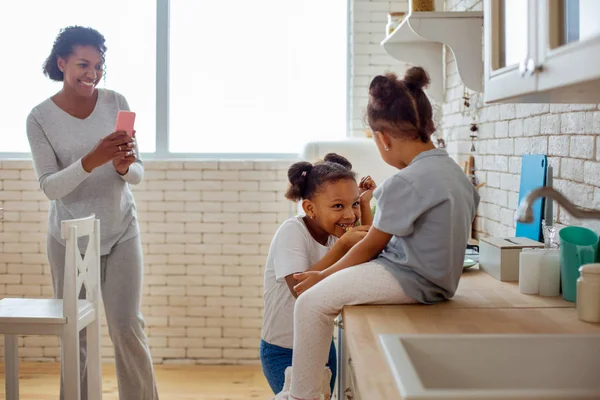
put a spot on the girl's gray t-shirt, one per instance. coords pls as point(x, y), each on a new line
point(429, 208)
point(58, 143)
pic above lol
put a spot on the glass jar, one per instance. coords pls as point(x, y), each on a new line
point(422, 5)
point(588, 293)
point(394, 20)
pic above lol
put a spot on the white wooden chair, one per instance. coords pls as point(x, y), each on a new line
point(64, 317)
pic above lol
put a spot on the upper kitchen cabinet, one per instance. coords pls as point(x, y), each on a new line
point(508, 42)
point(542, 51)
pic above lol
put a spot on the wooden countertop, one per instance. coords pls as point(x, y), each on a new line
point(478, 289)
point(482, 304)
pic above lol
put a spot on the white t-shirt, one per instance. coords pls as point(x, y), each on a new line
point(292, 250)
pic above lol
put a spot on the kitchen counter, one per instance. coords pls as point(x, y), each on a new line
point(482, 304)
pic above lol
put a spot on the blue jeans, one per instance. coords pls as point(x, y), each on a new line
point(275, 360)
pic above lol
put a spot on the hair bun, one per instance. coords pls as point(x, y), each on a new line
point(298, 171)
point(384, 90)
point(297, 175)
point(338, 159)
point(416, 78)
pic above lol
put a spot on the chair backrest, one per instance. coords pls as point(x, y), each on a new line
point(81, 272)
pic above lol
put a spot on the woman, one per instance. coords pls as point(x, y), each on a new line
point(83, 168)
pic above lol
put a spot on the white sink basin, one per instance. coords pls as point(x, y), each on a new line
point(485, 367)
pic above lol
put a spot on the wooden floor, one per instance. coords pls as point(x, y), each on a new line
point(40, 381)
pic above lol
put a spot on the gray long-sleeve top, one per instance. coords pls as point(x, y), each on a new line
point(58, 143)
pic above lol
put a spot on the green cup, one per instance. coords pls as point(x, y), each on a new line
point(578, 246)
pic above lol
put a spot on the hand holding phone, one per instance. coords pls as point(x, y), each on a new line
point(125, 122)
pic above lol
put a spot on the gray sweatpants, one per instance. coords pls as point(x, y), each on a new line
point(121, 276)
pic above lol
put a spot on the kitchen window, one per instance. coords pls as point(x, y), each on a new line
point(206, 79)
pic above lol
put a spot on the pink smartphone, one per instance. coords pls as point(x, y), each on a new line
point(125, 121)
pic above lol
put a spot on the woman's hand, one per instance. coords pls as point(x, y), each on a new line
point(117, 145)
point(354, 235)
point(365, 189)
point(122, 164)
point(307, 280)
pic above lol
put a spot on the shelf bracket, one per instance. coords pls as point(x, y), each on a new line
point(420, 38)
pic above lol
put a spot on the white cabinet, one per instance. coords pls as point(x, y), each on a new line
point(508, 34)
point(542, 51)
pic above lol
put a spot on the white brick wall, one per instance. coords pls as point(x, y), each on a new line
point(206, 228)
point(369, 19)
point(567, 133)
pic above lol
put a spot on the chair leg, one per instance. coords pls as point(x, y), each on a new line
point(11, 366)
point(70, 364)
point(94, 361)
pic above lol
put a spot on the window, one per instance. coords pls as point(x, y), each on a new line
point(513, 48)
point(244, 77)
point(27, 39)
point(264, 76)
point(578, 21)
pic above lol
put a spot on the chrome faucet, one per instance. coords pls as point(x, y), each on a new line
point(525, 213)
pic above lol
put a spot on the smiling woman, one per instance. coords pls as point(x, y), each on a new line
point(79, 67)
point(90, 46)
point(84, 168)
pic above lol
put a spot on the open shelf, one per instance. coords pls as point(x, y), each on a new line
point(420, 38)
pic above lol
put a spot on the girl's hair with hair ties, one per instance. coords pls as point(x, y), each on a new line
point(306, 178)
point(400, 106)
